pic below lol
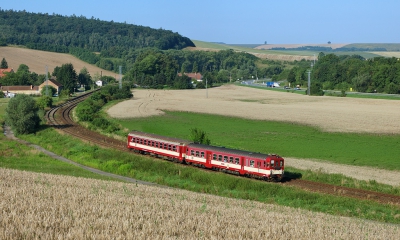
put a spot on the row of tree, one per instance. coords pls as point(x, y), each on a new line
point(377, 74)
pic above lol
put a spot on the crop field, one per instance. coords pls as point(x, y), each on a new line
point(307, 131)
point(45, 206)
point(37, 60)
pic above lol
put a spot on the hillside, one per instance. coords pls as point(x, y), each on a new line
point(292, 51)
point(59, 33)
point(38, 60)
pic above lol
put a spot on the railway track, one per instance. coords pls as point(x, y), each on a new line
point(61, 118)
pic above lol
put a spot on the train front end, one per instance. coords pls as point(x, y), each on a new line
point(276, 166)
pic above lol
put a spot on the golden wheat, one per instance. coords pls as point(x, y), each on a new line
point(44, 206)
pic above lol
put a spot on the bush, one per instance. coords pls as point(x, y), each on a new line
point(44, 101)
point(50, 92)
point(21, 114)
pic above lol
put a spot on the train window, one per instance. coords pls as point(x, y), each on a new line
point(281, 164)
point(133, 140)
point(145, 142)
point(236, 160)
point(152, 143)
point(156, 144)
point(141, 141)
point(165, 146)
point(231, 159)
point(258, 164)
point(197, 153)
point(174, 148)
point(202, 154)
point(220, 158)
point(214, 156)
point(251, 163)
point(272, 163)
point(192, 152)
point(265, 164)
point(225, 159)
point(169, 147)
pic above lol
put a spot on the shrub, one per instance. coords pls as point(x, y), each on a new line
point(44, 101)
point(50, 92)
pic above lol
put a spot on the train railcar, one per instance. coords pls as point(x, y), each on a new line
point(257, 165)
point(172, 149)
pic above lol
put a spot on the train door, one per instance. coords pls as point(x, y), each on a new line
point(242, 164)
point(208, 159)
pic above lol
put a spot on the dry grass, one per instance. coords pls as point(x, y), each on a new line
point(332, 114)
point(44, 206)
point(37, 60)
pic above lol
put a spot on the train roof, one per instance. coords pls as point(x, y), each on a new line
point(230, 151)
point(158, 138)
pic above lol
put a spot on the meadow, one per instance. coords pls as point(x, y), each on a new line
point(290, 140)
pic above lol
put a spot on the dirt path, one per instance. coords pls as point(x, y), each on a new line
point(328, 113)
point(9, 134)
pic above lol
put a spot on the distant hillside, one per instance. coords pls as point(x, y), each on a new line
point(59, 33)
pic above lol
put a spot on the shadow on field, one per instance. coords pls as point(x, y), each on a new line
point(291, 176)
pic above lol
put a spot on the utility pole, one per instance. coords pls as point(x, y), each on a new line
point(120, 77)
point(309, 83)
point(47, 83)
point(206, 89)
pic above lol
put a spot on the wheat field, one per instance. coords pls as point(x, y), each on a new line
point(45, 206)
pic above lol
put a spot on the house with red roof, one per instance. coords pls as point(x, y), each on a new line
point(4, 71)
point(196, 76)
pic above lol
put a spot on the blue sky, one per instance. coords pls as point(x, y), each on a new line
point(244, 22)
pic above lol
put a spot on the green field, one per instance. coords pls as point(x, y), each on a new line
point(285, 139)
point(190, 178)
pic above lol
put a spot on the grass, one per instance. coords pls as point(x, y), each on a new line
point(285, 139)
point(198, 180)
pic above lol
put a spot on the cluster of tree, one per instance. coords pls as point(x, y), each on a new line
point(157, 69)
point(344, 72)
point(65, 74)
point(88, 110)
point(59, 33)
point(22, 77)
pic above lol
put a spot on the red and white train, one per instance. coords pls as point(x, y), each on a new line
point(258, 165)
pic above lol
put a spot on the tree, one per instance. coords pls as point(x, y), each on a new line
point(66, 75)
point(84, 77)
point(3, 64)
point(21, 114)
point(48, 91)
point(199, 136)
point(23, 68)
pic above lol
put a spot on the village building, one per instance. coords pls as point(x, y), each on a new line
point(196, 76)
point(11, 91)
point(4, 71)
point(52, 82)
